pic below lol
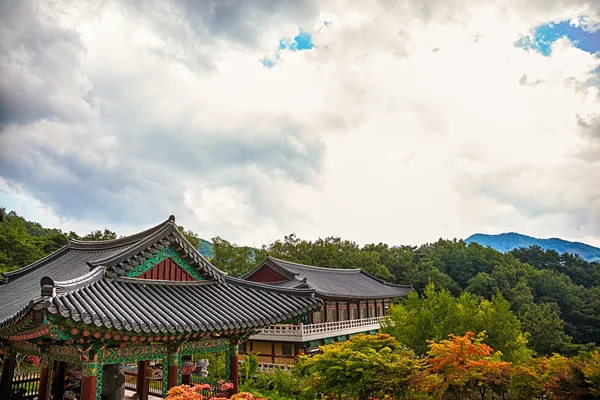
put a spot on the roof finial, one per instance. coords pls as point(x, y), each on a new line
point(171, 219)
point(47, 285)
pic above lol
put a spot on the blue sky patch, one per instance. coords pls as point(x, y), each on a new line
point(543, 36)
point(302, 41)
point(267, 62)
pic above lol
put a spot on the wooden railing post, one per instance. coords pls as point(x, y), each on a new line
point(234, 378)
point(89, 380)
point(7, 374)
point(42, 386)
point(174, 372)
point(58, 381)
point(142, 383)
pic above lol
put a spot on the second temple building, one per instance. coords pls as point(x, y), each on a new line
point(353, 302)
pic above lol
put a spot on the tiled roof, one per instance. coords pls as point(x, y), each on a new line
point(91, 285)
point(141, 305)
point(331, 282)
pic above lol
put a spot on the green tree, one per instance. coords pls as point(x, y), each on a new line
point(331, 252)
point(545, 328)
point(398, 259)
point(191, 236)
point(423, 273)
point(437, 313)
point(362, 366)
point(233, 259)
point(249, 367)
point(482, 284)
point(527, 379)
point(99, 235)
point(564, 379)
point(591, 371)
point(18, 247)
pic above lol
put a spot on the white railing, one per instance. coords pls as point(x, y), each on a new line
point(301, 329)
point(334, 326)
point(303, 332)
point(269, 368)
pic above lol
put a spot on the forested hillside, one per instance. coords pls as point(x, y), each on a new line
point(556, 297)
point(509, 241)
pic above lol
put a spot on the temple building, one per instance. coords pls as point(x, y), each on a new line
point(354, 302)
point(91, 307)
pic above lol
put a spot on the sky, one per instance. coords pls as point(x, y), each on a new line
point(377, 121)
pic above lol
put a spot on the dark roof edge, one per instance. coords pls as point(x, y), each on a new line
point(13, 319)
point(254, 270)
point(109, 244)
point(141, 244)
point(387, 283)
point(270, 288)
point(399, 286)
point(7, 276)
point(162, 282)
point(272, 263)
point(326, 269)
point(164, 230)
point(197, 253)
point(84, 280)
point(353, 296)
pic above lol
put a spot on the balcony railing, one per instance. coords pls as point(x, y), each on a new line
point(269, 368)
point(302, 333)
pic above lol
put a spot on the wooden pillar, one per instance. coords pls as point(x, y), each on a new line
point(273, 352)
point(234, 366)
point(139, 377)
point(7, 374)
point(337, 311)
point(58, 383)
point(142, 383)
point(186, 379)
point(89, 380)
point(43, 378)
point(173, 372)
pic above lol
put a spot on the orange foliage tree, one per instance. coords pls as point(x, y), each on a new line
point(467, 364)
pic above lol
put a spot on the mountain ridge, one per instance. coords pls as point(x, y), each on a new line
point(508, 241)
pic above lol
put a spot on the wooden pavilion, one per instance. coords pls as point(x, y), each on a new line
point(149, 296)
point(354, 302)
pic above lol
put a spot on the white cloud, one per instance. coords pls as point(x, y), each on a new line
point(404, 124)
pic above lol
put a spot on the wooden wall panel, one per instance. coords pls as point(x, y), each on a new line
point(167, 270)
point(267, 275)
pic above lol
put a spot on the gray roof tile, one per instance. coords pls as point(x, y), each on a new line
point(331, 282)
point(90, 287)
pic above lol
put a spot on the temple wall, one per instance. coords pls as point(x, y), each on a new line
point(267, 275)
point(261, 348)
point(167, 270)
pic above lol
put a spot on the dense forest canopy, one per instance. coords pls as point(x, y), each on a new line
point(554, 297)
